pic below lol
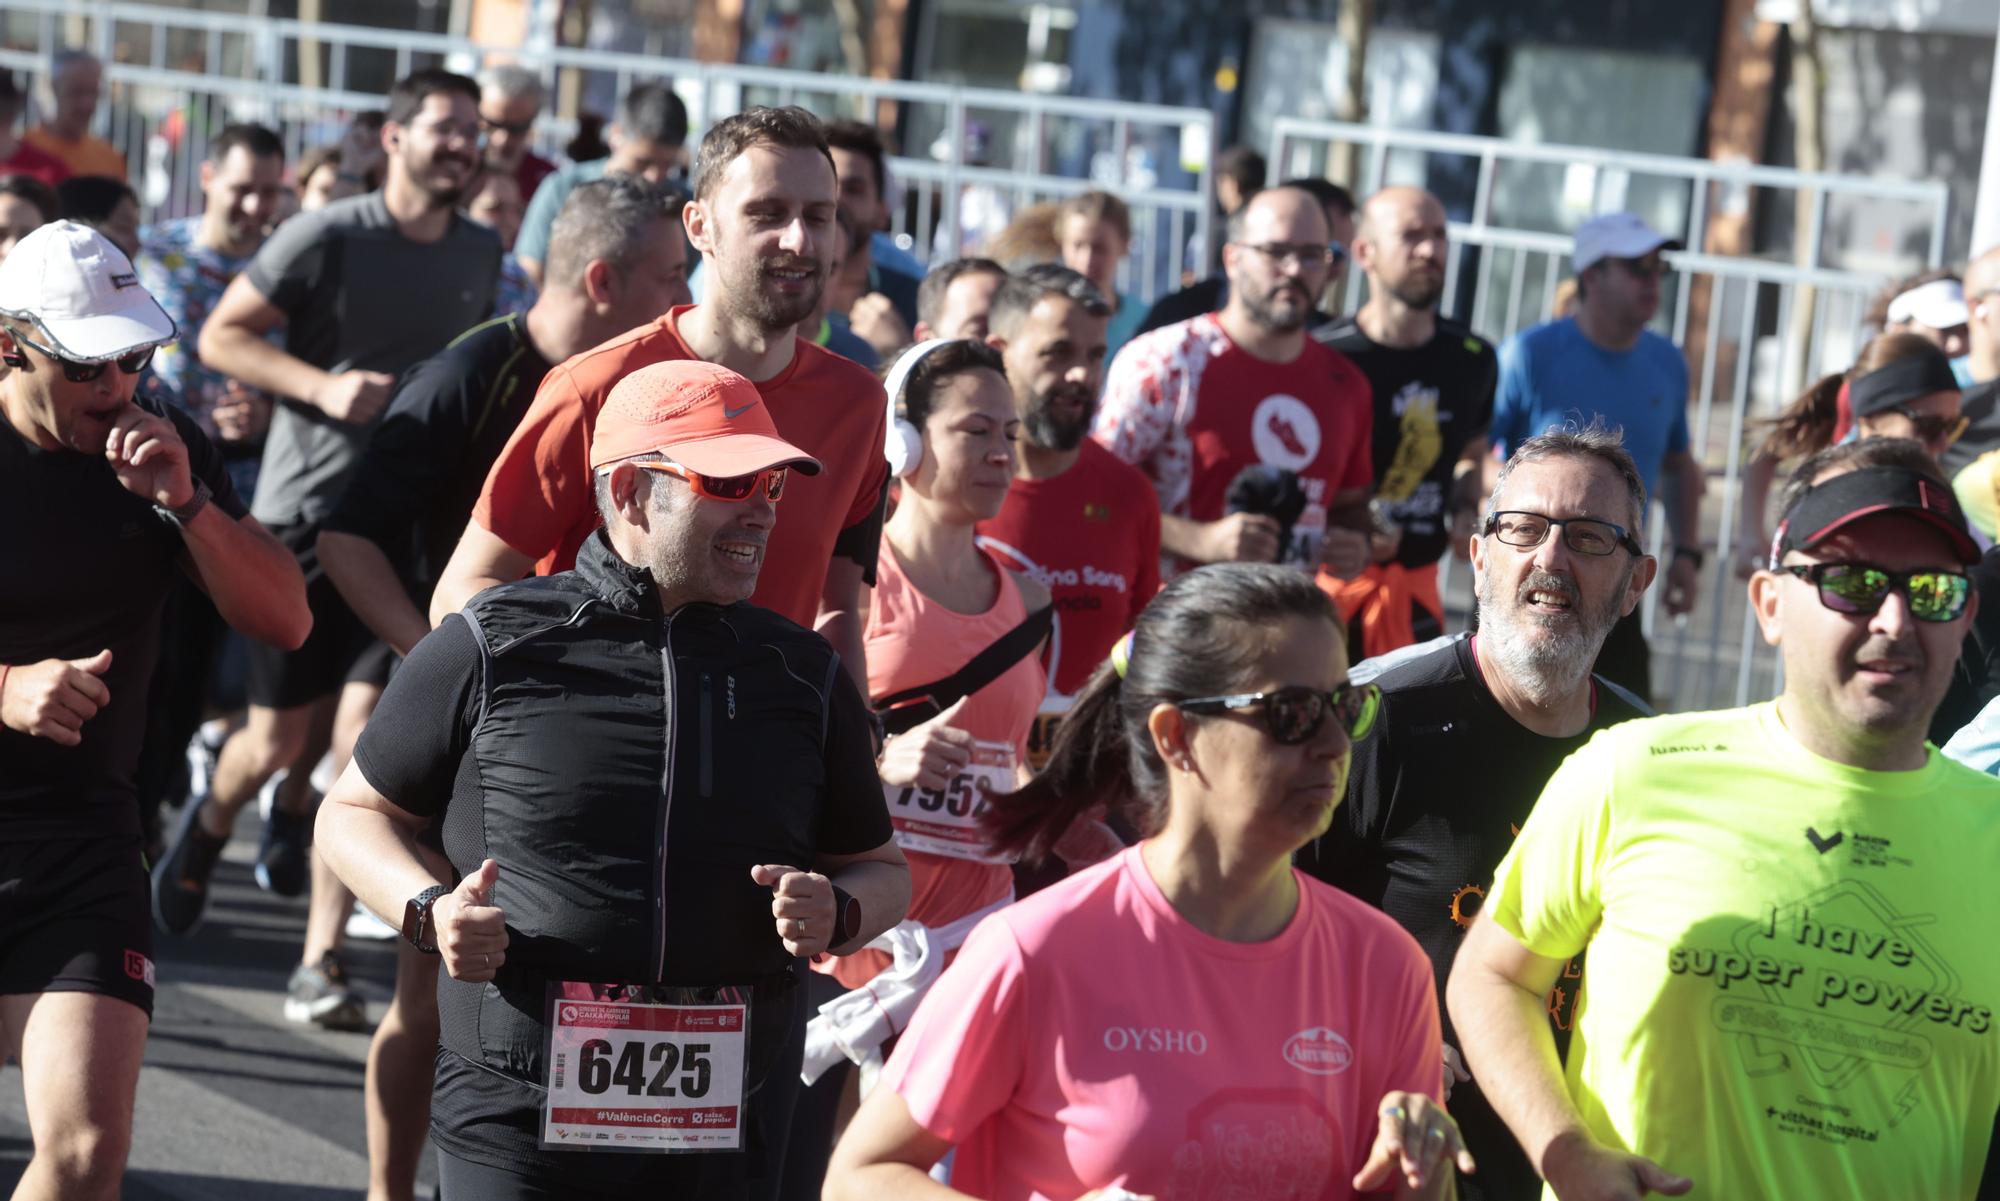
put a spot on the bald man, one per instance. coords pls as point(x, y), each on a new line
point(1432, 380)
point(1256, 437)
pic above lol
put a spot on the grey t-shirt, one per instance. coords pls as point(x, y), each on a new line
point(357, 295)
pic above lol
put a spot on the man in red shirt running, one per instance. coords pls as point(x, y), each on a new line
point(1193, 405)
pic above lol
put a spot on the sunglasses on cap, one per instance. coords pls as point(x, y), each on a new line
point(82, 373)
point(1932, 594)
point(1295, 713)
point(724, 487)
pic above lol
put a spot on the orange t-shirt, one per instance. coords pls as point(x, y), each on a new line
point(539, 498)
point(88, 155)
point(912, 640)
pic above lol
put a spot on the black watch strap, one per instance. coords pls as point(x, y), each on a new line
point(1691, 552)
point(417, 928)
point(846, 916)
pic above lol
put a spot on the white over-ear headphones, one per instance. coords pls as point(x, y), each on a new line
point(903, 443)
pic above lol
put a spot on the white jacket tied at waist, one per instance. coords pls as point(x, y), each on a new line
point(855, 1024)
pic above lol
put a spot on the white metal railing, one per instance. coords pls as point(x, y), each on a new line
point(173, 75)
point(1733, 316)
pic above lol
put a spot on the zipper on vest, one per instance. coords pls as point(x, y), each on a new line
point(707, 738)
point(672, 703)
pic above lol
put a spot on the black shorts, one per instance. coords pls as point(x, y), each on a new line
point(339, 651)
point(76, 916)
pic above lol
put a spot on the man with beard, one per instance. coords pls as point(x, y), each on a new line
point(1604, 363)
point(763, 215)
point(1555, 566)
point(1076, 518)
point(1432, 380)
point(1787, 992)
point(364, 288)
point(1192, 405)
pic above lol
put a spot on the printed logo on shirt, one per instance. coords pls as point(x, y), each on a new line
point(1319, 1051)
point(139, 968)
point(1284, 432)
point(1154, 1040)
point(1824, 844)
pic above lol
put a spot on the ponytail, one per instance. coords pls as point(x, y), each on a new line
point(1808, 425)
point(1089, 763)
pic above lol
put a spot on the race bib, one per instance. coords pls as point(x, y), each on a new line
point(627, 1075)
point(1308, 532)
point(946, 821)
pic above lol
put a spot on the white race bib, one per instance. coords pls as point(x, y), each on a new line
point(634, 1076)
point(946, 821)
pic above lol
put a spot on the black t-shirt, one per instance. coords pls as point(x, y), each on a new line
point(1431, 402)
point(1435, 797)
point(429, 456)
point(1980, 406)
point(85, 566)
point(420, 750)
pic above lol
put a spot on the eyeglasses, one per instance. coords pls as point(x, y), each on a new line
point(83, 373)
point(1295, 713)
point(1933, 595)
point(517, 128)
point(1651, 267)
point(1584, 535)
point(1308, 255)
point(725, 487)
point(1933, 427)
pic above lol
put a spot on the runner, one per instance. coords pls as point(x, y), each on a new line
point(125, 497)
point(363, 288)
point(1432, 380)
point(586, 915)
point(1504, 707)
point(956, 299)
point(1786, 993)
point(764, 201)
point(616, 260)
point(1076, 518)
point(648, 140)
point(1193, 1019)
point(1194, 405)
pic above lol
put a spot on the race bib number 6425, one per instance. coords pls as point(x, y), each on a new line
point(632, 1076)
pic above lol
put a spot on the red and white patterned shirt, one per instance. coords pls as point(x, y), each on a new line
point(1192, 409)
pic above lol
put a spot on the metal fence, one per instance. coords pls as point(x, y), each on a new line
point(174, 77)
point(1754, 330)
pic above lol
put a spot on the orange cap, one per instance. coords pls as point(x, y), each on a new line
point(707, 418)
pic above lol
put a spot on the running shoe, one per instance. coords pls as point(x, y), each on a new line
point(362, 923)
point(320, 995)
point(180, 879)
point(284, 856)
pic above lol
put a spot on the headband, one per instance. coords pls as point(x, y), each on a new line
point(1894, 384)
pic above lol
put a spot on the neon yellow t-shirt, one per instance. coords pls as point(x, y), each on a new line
point(1793, 971)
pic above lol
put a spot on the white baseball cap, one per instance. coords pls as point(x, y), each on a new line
point(1618, 236)
point(82, 293)
point(1939, 304)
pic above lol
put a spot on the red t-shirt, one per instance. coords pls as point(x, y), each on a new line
point(540, 500)
point(530, 172)
point(1191, 409)
point(1091, 1036)
point(1092, 536)
point(29, 160)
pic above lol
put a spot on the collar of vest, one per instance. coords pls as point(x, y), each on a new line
point(626, 588)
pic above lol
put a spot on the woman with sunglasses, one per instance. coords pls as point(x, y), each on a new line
point(1193, 1018)
point(940, 602)
point(1901, 386)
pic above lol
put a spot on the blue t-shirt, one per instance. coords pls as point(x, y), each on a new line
point(1552, 374)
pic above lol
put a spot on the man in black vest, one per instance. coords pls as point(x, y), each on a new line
point(660, 799)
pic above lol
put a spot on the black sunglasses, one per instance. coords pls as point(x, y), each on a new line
point(1295, 713)
point(1584, 535)
point(1932, 594)
point(83, 373)
point(1930, 427)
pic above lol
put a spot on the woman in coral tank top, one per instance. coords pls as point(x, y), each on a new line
point(1192, 1020)
point(939, 600)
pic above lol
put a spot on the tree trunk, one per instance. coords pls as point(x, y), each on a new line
point(1809, 152)
point(1356, 20)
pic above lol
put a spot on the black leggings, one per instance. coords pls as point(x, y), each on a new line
point(689, 1179)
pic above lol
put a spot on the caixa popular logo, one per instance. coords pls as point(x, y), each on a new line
point(1319, 1051)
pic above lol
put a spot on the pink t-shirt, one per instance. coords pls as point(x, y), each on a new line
point(1089, 1036)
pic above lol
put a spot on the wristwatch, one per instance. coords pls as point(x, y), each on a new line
point(417, 928)
point(846, 917)
point(1691, 552)
point(184, 514)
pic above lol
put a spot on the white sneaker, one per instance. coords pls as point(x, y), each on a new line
point(363, 923)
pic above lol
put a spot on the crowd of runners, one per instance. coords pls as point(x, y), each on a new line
point(822, 724)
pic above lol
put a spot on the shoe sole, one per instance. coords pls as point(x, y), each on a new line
point(263, 875)
point(160, 883)
point(332, 1013)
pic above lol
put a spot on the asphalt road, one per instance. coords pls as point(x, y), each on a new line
point(235, 1102)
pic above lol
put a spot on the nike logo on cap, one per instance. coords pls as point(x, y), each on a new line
point(732, 414)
